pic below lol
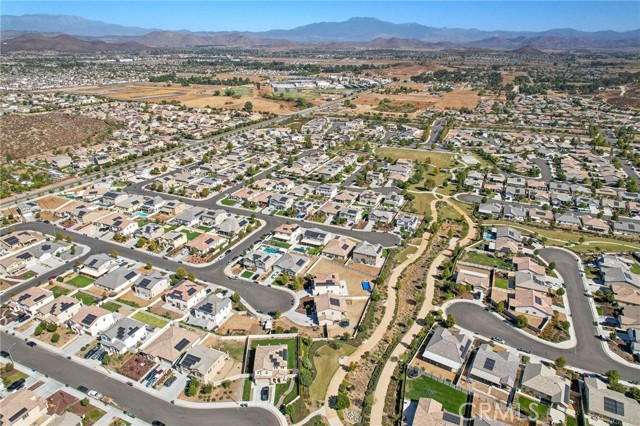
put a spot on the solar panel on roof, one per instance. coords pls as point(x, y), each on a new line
point(190, 360)
point(89, 319)
point(181, 344)
point(538, 300)
point(613, 406)
point(334, 302)
point(489, 364)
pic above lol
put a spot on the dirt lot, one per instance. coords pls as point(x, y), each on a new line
point(240, 325)
point(25, 135)
point(51, 202)
point(458, 99)
point(165, 313)
point(66, 336)
point(235, 348)
point(219, 394)
point(313, 332)
point(354, 279)
point(354, 311)
point(433, 370)
point(131, 297)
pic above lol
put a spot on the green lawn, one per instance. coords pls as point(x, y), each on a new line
point(636, 268)
point(291, 352)
point(280, 389)
point(247, 274)
point(599, 310)
point(445, 211)
point(572, 421)
point(246, 390)
point(439, 159)
point(486, 260)
point(228, 202)
point(326, 363)
point(235, 350)
point(279, 244)
point(85, 298)
point(421, 203)
point(111, 306)
point(426, 387)
point(150, 319)
point(190, 234)
point(80, 281)
point(59, 291)
point(12, 378)
point(205, 228)
point(533, 409)
point(95, 414)
point(502, 283)
point(291, 395)
point(406, 252)
point(169, 228)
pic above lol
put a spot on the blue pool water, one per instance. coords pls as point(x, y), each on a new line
point(270, 250)
point(366, 285)
point(141, 214)
point(299, 250)
point(488, 235)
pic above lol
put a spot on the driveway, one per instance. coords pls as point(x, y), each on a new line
point(588, 354)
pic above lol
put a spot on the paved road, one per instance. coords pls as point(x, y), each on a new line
point(147, 407)
point(545, 170)
point(588, 353)
point(260, 297)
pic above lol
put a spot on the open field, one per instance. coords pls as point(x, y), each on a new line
point(438, 159)
point(326, 364)
point(458, 99)
point(35, 134)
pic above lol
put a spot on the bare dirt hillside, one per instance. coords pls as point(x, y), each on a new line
point(25, 135)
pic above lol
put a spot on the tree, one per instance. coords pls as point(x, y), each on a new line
point(37, 331)
point(277, 314)
point(613, 336)
point(235, 297)
point(208, 388)
point(8, 367)
point(500, 307)
point(149, 265)
point(55, 337)
point(248, 106)
point(191, 276)
point(561, 362)
point(114, 253)
point(52, 327)
point(84, 402)
point(560, 292)
point(613, 376)
point(552, 266)
point(342, 401)
point(153, 246)
point(306, 378)
point(450, 321)
point(181, 273)
point(106, 359)
point(194, 385)
point(521, 321)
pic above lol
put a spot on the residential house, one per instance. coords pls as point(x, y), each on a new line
point(478, 279)
point(205, 243)
point(531, 302)
point(491, 209)
point(23, 408)
point(626, 228)
point(31, 300)
point(98, 264)
point(516, 213)
point(594, 224)
point(173, 240)
point(407, 222)
point(527, 280)
point(328, 191)
point(19, 239)
point(608, 405)
point(527, 264)
point(429, 412)
point(540, 216)
point(339, 248)
point(290, 264)
point(232, 226)
point(172, 208)
point(151, 285)
point(59, 310)
point(393, 199)
point(213, 217)
point(185, 295)
point(171, 344)
point(211, 313)
point(330, 309)
point(17, 263)
point(202, 363)
point(259, 261)
point(315, 237)
point(123, 336)
point(369, 197)
point(118, 279)
point(367, 253)
point(447, 350)
point(150, 232)
point(495, 368)
point(281, 202)
point(270, 364)
point(328, 283)
point(92, 320)
point(288, 233)
point(543, 382)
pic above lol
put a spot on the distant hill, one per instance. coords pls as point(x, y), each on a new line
point(73, 25)
point(64, 43)
point(364, 32)
point(528, 50)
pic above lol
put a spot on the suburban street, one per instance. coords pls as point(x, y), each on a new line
point(588, 354)
point(144, 405)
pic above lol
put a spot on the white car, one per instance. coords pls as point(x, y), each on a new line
point(94, 394)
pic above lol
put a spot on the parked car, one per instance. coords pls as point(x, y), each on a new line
point(95, 394)
point(264, 394)
point(17, 385)
point(157, 423)
point(5, 354)
point(130, 414)
point(170, 381)
point(498, 339)
point(32, 344)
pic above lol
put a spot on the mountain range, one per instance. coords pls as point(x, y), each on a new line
point(365, 32)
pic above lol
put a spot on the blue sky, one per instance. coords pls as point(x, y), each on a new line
point(265, 15)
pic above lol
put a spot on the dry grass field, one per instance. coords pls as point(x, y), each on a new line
point(458, 99)
point(51, 202)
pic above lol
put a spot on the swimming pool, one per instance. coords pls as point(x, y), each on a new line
point(366, 286)
point(270, 250)
point(299, 250)
point(141, 214)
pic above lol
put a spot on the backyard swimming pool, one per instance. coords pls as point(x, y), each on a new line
point(141, 214)
point(270, 250)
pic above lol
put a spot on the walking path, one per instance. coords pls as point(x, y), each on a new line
point(377, 410)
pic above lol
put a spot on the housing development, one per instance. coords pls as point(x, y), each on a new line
point(201, 229)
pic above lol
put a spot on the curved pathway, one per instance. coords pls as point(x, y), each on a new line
point(377, 411)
